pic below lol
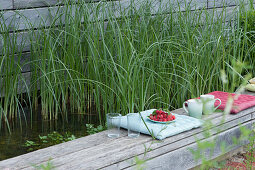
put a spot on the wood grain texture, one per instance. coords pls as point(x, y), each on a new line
point(23, 4)
point(21, 41)
point(182, 157)
point(31, 18)
point(20, 60)
point(179, 143)
point(34, 3)
point(23, 61)
point(253, 115)
point(20, 4)
point(111, 155)
point(40, 17)
point(6, 4)
point(224, 3)
point(98, 151)
point(24, 39)
point(22, 85)
point(57, 150)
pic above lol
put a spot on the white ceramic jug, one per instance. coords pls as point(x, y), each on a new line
point(208, 103)
point(194, 108)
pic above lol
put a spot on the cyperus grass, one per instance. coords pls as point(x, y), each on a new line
point(127, 57)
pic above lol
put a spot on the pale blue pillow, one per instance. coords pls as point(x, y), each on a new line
point(162, 131)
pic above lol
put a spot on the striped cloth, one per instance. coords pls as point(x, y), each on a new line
point(243, 102)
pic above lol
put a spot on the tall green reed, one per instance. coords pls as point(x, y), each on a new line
point(107, 57)
point(12, 83)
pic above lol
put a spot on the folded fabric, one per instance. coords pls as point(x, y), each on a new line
point(243, 102)
point(161, 131)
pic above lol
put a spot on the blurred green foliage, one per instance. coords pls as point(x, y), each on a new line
point(92, 130)
point(49, 140)
point(247, 24)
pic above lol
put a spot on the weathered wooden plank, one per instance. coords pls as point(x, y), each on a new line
point(20, 62)
point(253, 115)
point(24, 64)
point(118, 148)
point(57, 150)
point(23, 83)
point(176, 5)
point(226, 14)
point(30, 18)
point(34, 3)
point(43, 17)
point(182, 157)
point(225, 156)
point(124, 163)
point(6, 4)
point(21, 41)
point(165, 149)
point(19, 4)
point(88, 143)
point(225, 3)
point(166, 146)
point(24, 39)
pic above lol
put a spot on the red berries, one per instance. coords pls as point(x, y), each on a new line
point(161, 116)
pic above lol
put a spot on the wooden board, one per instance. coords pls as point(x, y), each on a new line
point(6, 4)
point(19, 19)
point(24, 62)
point(222, 3)
point(23, 83)
point(34, 3)
point(36, 16)
point(30, 18)
point(21, 62)
point(168, 145)
point(121, 154)
point(41, 17)
point(23, 39)
point(19, 4)
point(182, 158)
point(98, 151)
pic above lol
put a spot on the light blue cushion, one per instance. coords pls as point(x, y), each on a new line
point(162, 131)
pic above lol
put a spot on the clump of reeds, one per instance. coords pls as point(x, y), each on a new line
point(125, 58)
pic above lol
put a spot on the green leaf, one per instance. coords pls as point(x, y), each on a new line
point(154, 112)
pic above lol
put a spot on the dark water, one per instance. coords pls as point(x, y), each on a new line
point(12, 145)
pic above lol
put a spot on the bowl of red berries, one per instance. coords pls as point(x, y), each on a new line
point(160, 116)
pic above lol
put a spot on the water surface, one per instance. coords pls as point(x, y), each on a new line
point(12, 145)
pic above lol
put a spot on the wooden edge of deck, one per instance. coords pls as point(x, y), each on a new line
point(98, 151)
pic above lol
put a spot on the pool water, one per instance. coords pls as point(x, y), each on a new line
point(12, 145)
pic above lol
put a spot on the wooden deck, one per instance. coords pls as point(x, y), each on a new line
point(100, 152)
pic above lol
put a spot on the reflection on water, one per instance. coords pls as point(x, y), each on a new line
point(11, 145)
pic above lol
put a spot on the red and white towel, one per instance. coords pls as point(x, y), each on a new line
point(243, 102)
